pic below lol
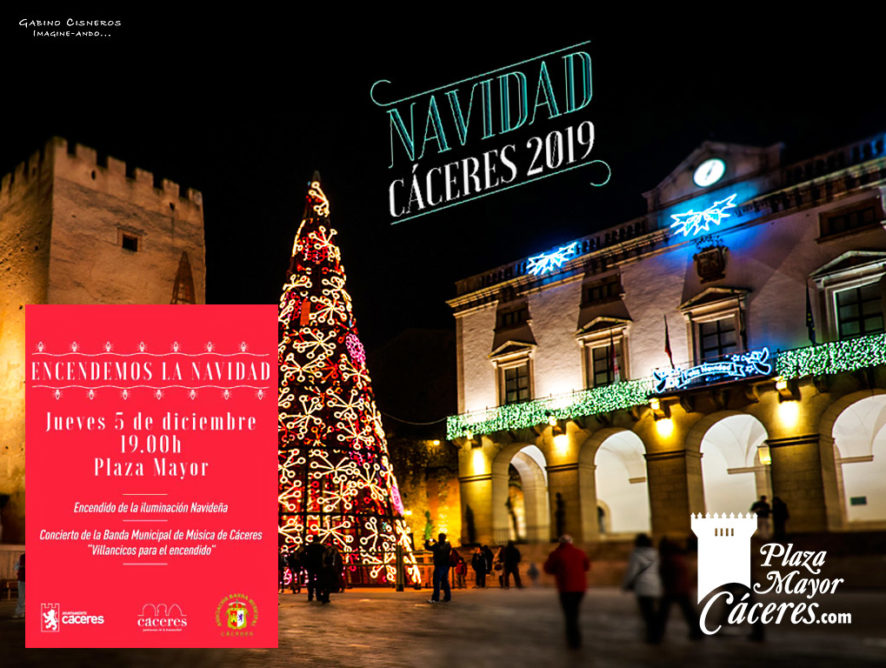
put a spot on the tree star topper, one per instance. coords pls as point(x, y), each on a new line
point(546, 262)
point(692, 222)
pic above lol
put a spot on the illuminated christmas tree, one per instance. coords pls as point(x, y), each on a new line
point(336, 481)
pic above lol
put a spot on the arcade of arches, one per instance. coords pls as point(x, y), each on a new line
point(610, 477)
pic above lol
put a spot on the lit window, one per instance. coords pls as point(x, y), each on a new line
point(859, 311)
point(516, 384)
point(717, 317)
point(603, 369)
point(717, 339)
point(512, 362)
point(849, 295)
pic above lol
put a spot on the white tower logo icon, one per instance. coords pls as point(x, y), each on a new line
point(724, 549)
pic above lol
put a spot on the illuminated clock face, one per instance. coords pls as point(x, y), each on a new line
point(709, 172)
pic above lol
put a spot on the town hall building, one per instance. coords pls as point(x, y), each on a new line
point(727, 344)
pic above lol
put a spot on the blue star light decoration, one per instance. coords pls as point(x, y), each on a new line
point(692, 222)
point(546, 262)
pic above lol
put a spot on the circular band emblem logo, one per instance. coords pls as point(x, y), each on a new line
point(236, 615)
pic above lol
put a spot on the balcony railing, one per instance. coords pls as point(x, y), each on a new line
point(823, 359)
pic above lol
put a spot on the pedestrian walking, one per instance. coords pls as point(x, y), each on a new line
point(330, 579)
point(20, 576)
point(313, 564)
point(763, 510)
point(643, 578)
point(780, 517)
point(293, 560)
point(569, 565)
point(480, 566)
point(441, 550)
point(676, 586)
point(511, 561)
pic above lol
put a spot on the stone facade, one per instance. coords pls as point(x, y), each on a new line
point(728, 266)
point(76, 230)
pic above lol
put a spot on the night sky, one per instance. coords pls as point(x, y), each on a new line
point(244, 107)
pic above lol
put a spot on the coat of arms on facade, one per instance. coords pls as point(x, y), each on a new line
point(710, 263)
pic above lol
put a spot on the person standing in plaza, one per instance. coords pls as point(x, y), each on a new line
point(480, 566)
point(780, 517)
point(20, 575)
point(441, 551)
point(511, 559)
point(642, 578)
point(569, 565)
point(762, 509)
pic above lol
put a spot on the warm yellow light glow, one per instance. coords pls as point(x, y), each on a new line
point(469, 435)
point(789, 413)
point(478, 462)
point(664, 427)
point(561, 442)
point(765, 455)
point(781, 384)
point(655, 404)
point(435, 442)
point(552, 421)
point(407, 513)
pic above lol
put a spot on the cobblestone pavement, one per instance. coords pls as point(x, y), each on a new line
point(490, 628)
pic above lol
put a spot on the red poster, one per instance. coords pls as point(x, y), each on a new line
point(151, 476)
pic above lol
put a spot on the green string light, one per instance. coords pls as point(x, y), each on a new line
point(820, 360)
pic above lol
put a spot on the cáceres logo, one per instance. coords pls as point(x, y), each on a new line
point(52, 618)
point(49, 617)
point(236, 615)
point(160, 617)
point(724, 558)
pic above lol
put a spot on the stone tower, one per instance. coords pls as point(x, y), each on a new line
point(76, 230)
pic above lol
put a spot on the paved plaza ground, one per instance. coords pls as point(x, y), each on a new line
point(500, 628)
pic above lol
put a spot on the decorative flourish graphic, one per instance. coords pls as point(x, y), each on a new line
point(547, 262)
point(692, 222)
point(337, 483)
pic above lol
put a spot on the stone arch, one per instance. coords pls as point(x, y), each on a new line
point(612, 470)
point(854, 427)
point(531, 464)
point(733, 475)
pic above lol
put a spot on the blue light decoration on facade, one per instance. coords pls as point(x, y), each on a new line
point(539, 265)
point(691, 223)
point(734, 367)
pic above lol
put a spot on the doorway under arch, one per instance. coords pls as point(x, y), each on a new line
point(733, 473)
point(526, 512)
point(860, 451)
point(620, 484)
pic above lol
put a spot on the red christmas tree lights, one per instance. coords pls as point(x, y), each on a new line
point(336, 481)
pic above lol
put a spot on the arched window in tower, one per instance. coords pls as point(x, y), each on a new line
point(183, 290)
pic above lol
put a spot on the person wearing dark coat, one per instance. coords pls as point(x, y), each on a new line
point(569, 565)
point(676, 585)
point(490, 558)
point(313, 564)
point(478, 563)
point(441, 551)
point(330, 573)
point(511, 561)
point(779, 518)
